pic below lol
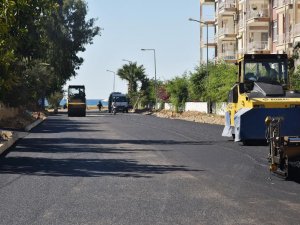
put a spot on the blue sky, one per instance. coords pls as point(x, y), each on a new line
point(130, 25)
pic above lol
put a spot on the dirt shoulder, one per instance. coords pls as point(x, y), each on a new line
point(21, 120)
point(192, 116)
point(17, 122)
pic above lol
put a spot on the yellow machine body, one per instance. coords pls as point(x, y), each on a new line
point(271, 103)
point(262, 90)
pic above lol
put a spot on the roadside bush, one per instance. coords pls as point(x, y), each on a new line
point(198, 83)
point(221, 78)
point(295, 79)
point(177, 88)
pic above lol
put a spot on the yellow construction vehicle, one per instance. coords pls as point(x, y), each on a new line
point(76, 100)
point(283, 149)
point(262, 90)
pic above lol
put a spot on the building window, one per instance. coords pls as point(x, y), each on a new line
point(264, 37)
point(275, 31)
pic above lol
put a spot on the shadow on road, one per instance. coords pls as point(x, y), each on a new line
point(62, 126)
point(42, 142)
point(76, 163)
point(83, 167)
point(83, 156)
point(294, 172)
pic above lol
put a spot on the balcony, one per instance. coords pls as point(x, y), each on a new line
point(258, 16)
point(229, 55)
point(297, 30)
point(227, 7)
point(282, 5)
point(211, 43)
point(226, 33)
point(258, 47)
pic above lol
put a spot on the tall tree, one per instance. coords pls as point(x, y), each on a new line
point(20, 22)
point(68, 33)
point(133, 74)
point(39, 34)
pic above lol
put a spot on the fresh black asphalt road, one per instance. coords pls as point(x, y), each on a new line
point(133, 169)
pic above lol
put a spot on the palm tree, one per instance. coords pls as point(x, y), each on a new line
point(133, 74)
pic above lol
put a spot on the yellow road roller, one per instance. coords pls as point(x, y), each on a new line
point(76, 100)
point(262, 90)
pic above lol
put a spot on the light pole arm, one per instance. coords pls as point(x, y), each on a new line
point(127, 61)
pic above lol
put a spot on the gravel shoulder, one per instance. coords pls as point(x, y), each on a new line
point(192, 116)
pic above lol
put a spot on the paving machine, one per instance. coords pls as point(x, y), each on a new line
point(76, 100)
point(283, 149)
point(262, 90)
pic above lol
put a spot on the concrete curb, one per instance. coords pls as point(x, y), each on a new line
point(17, 135)
point(34, 124)
point(7, 144)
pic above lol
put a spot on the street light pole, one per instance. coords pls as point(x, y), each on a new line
point(205, 23)
point(114, 79)
point(198, 21)
point(155, 83)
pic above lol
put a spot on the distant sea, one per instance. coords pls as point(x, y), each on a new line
point(90, 102)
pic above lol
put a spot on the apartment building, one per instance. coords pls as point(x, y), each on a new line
point(251, 26)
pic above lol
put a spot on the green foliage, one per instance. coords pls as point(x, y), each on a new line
point(135, 75)
point(68, 33)
point(147, 92)
point(178, 91)
point(294, 73)
point(214, 85)
point(39, 42)
point(34, 84)
point(295, 79)
point(221, 78)
point(55, 98)
point(198, 83)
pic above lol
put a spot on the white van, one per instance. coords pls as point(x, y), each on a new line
point(121, 102)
